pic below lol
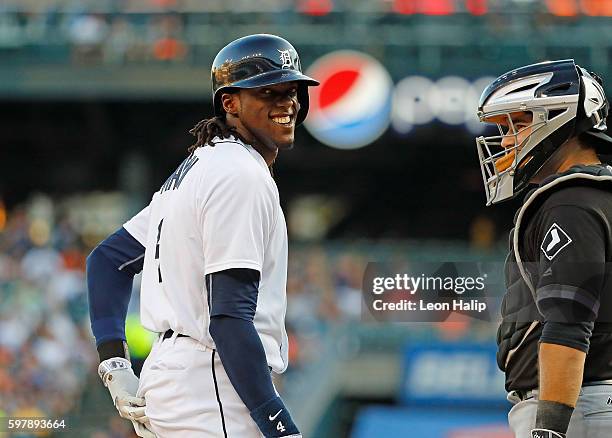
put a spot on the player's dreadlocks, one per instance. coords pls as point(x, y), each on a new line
point(207, 129)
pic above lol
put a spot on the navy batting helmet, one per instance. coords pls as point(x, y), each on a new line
point(256, 61)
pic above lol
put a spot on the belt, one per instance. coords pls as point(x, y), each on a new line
point(170, 332)
point(523, 395)
point(598, 382)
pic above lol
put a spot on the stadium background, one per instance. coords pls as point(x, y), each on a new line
point(96, 98)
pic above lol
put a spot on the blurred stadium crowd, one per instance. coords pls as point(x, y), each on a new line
point(43, 341)
point(120, 32)
point(316, 7)
point(46, 353)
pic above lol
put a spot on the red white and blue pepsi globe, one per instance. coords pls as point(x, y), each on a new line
point(352, 106)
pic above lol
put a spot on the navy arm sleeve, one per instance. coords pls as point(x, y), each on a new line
point(571, 274)
point(232, 298)
point(111, 267)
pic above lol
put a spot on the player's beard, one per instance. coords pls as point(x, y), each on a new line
point(266, 141)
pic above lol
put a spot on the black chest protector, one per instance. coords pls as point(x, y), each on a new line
point(521, 321)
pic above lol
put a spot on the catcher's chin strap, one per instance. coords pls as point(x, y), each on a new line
point(114, 348)
point(584, 125)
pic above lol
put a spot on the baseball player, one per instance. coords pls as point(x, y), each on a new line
point(212, 245)
point(555, 339)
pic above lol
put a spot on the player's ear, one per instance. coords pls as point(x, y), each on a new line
point(230, 102)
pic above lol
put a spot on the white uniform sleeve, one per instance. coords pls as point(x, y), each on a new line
point(138, 225)
point(236, 218)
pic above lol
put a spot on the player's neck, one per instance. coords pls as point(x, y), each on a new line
point(572, 153)
point(268, 150)
point(579, 155)
point(266, 153)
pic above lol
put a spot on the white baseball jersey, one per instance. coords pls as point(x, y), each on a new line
point(219, 210)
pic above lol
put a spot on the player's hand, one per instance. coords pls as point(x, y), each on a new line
point(137, 416)
point(142, 430)
point(117, 375)
point(545, 433)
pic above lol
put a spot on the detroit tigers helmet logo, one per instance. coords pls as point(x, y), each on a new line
point(286, 60)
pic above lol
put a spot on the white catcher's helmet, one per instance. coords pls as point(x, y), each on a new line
point(564, 100)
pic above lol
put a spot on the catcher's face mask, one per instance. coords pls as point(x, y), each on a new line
point(500, 155)
point(535, 109)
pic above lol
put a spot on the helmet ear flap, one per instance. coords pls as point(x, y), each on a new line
point(304, 101)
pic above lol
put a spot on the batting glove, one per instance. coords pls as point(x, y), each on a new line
point(117, 375)
point(546, 433)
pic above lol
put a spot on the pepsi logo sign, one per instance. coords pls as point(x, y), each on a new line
point(352, 106)
point(357, 101)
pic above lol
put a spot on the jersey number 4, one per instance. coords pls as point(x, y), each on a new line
point(159, 228)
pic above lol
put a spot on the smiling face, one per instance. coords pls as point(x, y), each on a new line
point(265, 115)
